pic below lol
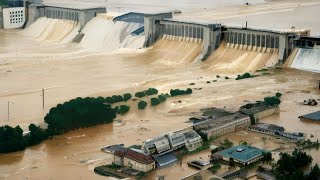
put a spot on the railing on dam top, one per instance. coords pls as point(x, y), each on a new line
point(252, 39)
point(62, 14)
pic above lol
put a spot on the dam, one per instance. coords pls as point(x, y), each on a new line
point(224, 47)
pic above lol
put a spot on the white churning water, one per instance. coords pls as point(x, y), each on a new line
point(103, 33)
point(307, 59)
point(234, 58)
point(54, 30)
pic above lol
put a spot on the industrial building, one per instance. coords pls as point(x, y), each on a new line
point(217, 127)
point(241, 154)
point(275, 130)
point(134, 158)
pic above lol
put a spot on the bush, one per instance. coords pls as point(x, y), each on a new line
point(151, 91)
point(178, 92)
point(226, 77)
point(140, 94)
point(244, 76)
point(278, 95)
point(162, 98)
point(127, 96)
point(123, 109)
point(218, 76)
point(208, 82)
point(155, 101)
point(271, 101)
point(142, 105)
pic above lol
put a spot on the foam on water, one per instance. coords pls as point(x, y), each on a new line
point(175, 50)
point(103, 33)
point(231, 58)
point(54, 30)
point(307, 59)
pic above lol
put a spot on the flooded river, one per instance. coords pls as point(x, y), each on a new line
point(68, 71)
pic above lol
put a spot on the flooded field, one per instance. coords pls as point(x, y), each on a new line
point(68, 70)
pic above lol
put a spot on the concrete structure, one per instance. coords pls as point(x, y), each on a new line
point(261, 40)
point(186, 137)
point(217, 127)
point(261, 111)
point(242, 154)
point(274, 130)
point(135, 159)
point(315, 116)
point(157, 25)
point(80, 15)
point(13, 17)
point(194, 140)
point(1, 17)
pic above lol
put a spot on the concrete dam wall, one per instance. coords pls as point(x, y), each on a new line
point(82, 16)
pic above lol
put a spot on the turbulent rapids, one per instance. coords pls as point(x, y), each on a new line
point(104, 33)
point(231, 58)
point(55, 30)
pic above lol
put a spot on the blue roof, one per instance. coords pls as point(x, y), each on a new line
point(242, 153)
point(312, 116)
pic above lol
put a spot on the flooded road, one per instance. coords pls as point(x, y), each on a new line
point(68, 71)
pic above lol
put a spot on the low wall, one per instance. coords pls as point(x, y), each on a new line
point(267, 112)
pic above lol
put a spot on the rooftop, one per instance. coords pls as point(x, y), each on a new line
point(242, 153)
point(315, 116)
point(135, 155)
point(218, 122)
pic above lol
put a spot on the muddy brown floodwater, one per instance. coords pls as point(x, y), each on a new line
point(68, 71)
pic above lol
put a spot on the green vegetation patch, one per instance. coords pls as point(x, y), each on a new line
point(142, 105)
point(178, 92)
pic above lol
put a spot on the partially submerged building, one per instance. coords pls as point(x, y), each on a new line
point(259, 110)
point(134, 158)
point(275, 130)
point(216, 127)
point(241, 154)
point(315, 116)
point(162, 148)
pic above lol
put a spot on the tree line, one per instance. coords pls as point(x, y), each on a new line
point(74, 114)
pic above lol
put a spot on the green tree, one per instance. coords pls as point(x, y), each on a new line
point(127, 96)
point(278, 95)
point(36, 135)
point(271, 101)
point(140, 94)
point(78, 113)
point(252, 119)
point(123, 109)
point(109, 100)
point(11, 139)
point(151, 91)
point(155, 101)
point(314, 173)
point(162, 98)
point(142, 105)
